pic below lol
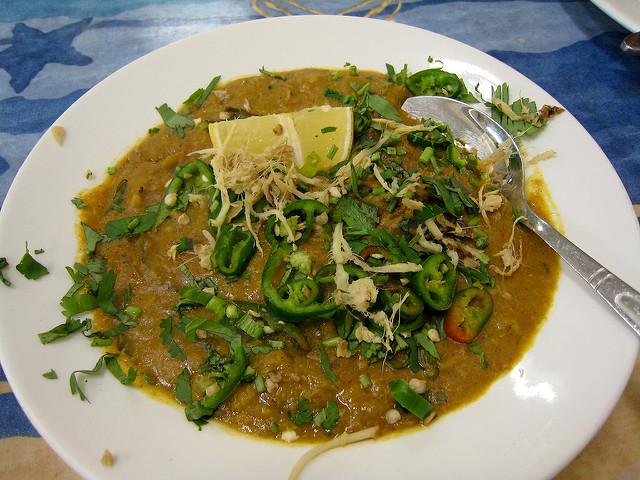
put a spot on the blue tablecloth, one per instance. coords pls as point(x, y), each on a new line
point(51, 52)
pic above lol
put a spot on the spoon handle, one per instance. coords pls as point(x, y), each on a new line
point(620, 296)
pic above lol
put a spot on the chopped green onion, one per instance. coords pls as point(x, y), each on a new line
point(250, 326)
point(328, 129)
point(50, 375)
point(365, 381)
point(259, 384)
point(332, 152)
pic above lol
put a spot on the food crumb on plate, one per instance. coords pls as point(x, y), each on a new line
point(107, 458)
point(59, 134)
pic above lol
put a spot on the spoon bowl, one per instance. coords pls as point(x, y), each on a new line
point(480, 131)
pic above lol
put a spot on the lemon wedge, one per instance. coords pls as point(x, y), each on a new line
point(320, 136)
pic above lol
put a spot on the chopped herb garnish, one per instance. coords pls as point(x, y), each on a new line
point(248, 325)
point(118, 197)
point(183, 387)
point(332, 152)
point(3, 279)
point(476, 349)
point(92, 238)
point(410, 400)
point(326, 365)
point(50, 375)
point(173, 120)
point(147, 378)
point(79, 203)
point(303, 415)
point(38, 251)
point(360, 219)
point(274, 427)
point(365, 381)
point(328, 129)
point(400, 77)
point(111, 170)
point(31, 268)
point(63, 330)
point(111, 362)
point(328, 417)
point(260, 384)
point(73, 380)
point(427, 344)
point(166, 325)
point(185, 244)
point(382, 107)
point(198, 97)
point(267, 73)
point(153, 131)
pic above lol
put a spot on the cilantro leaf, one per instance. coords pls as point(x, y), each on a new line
point(183, 387)
point(73, 380)
point(328, 417)
point(360, 219)
point(118, 197)
point(382, 107)
point(185, 244)
point(303, 415)
point(326, 365)
point(31, 268)
point(427, 344)
point(529, 125)
point(50, 375)
point(168, 341)
point(114, 367)
point(92, 238)
point(174, 120)
point(198, 97)
point(63, 330)
point(135, 225)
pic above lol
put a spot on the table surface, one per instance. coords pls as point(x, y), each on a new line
point(52, 52)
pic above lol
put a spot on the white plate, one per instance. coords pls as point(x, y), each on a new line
point(530, 423)
point(625, 12)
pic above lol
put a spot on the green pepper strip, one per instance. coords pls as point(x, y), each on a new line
point(205, 407)
point(309, 210)
point(291, 301)
point(234, 248)
point(410, 308)
point(436, 282)
point(407, 398)
point(327, 273)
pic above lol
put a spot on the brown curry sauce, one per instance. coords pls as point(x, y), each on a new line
point(521, 301)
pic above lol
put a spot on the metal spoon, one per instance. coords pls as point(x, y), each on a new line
point(631, 44)
point(484, 133)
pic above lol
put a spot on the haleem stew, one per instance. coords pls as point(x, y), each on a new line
point(293, 256)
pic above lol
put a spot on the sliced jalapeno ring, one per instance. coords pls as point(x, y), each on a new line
point(436, 282)
point(468, 315)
